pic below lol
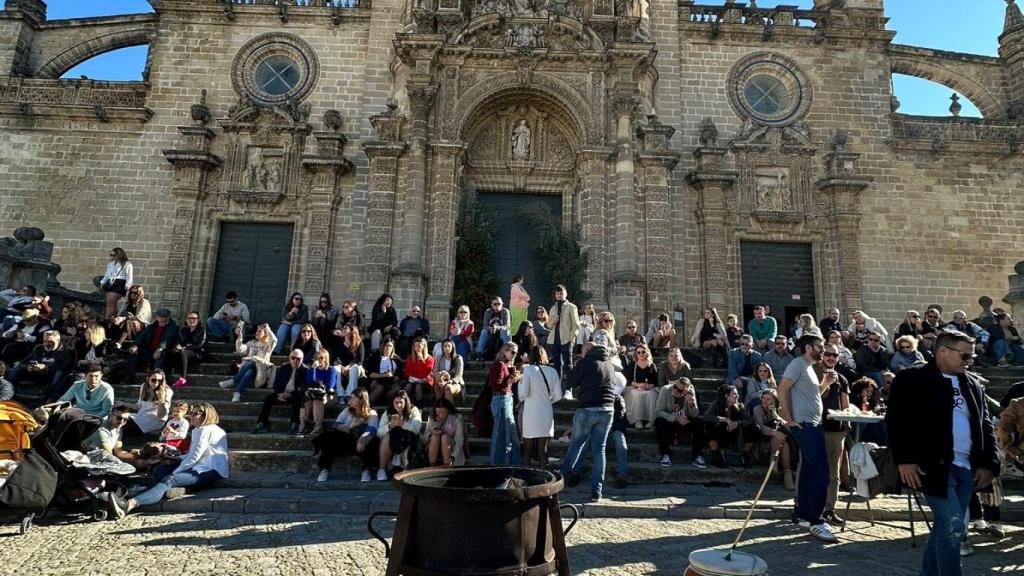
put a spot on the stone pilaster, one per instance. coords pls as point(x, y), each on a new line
point(658, 161)
point(192, 163)
point(591, 163)
point(444, 209)
point(713, 182)
point(327, 166)
point(383, 152)
point(841, 188)
point(19, 20)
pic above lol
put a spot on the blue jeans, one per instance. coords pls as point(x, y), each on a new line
point(505, 436)
point(462, 347)
point(283, 332)
point(812, 484)
point(561, 358)
point(218, 328)
point(485, 335)
point(246, 376)
point(618, 439)
point(949, 518)
point(1002, 348)
point(589, 424)
point(55, 383)
point(182, 479)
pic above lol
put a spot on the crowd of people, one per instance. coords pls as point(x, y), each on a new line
point(400, 387)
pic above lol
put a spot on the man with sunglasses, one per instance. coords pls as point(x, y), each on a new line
point(942, 439)
point(836, 397)
point(873, 358)
point(92, 395)
point(497, 320)
point(47, 364)
point(929, 329)
point(224, 320)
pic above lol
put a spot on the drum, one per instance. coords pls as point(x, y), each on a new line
point(719, 563)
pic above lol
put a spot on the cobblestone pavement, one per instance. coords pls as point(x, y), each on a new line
point(269, 545)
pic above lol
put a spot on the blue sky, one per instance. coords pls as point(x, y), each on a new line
point(916, 22)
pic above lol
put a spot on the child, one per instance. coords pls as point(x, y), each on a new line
point(176, 428)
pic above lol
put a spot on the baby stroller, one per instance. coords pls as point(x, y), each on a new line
point(83, 477)
point(27, 481)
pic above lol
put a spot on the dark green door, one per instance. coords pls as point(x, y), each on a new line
point(514, 236)
point(779, 275)
point(253, 260)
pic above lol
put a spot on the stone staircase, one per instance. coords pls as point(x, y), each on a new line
point(277, 452)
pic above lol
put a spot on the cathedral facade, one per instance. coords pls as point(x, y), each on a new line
point(706, 154)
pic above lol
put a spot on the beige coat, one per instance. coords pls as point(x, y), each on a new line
point(569, 326)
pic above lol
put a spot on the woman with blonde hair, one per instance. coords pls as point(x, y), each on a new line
point(906, 354)
point(320, 389)
point(805, 324)
point(460, 331)
point(641, 393)
point(205, 463)
point(255, 364)
point(134, 314)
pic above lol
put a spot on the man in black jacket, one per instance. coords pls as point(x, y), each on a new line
point(46, 364)
point(289, 388)
point(152, 345)
point(594, 375)
point(942, 439)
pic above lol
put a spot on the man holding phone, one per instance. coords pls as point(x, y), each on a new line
point(229, 315)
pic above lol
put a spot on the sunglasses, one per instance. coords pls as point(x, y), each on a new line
point(196, 414)
point(191, 318)
point(965, 356)
point(641, 353)
point(906, 347)
point(914, 316)
point(873, 340)
point(831, 354)
point(156, 379)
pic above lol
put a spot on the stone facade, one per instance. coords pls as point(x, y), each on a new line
point(671, 131)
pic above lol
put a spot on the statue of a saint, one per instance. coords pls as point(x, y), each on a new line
point(521, 141)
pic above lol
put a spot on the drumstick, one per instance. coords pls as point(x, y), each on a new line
point(771, 467)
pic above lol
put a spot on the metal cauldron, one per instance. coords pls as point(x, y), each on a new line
point(501, 521)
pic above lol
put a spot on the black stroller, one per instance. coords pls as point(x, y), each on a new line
point(79, 490)
point(27, 481)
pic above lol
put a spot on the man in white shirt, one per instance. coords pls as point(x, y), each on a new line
point(225, 319)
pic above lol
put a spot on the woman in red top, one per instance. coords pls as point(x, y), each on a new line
point(419, 370)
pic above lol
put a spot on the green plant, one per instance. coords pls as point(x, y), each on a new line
point(475, 284)
point(565, 261)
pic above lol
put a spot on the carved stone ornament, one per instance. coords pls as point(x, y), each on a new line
point(707, 134)
point(201, 112)
point(332, 120)
point(524, 37)
point(773, 190)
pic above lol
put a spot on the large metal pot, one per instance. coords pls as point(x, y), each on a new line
point(502, 521)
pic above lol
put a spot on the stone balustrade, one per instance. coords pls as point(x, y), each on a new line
point(941, 131)
point(741, 13)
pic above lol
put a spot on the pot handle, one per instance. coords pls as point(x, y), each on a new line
point(575, 516)
point(369, 526)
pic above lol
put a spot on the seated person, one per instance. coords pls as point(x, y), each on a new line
point(17, 301)
point(733, 332)
point(588, 323)
point(906, 354)
point(48, 364)
point(153, 406)
point(255, 366)
point(642, 390)
point(419, 370)
point(444, 435)
point(629, 342)
point(525, 339)
point(929, 329)
point(384, 370)
point(108, 436)
point(778, 357)
point(727, 422)
point(709, 334)
point(324, 316)
point(353, 432)
point(92, 395)
point(762, 329)
point(1010, 433)
point(865, 394)
point(742, 361)
point(872, 358)
point(460, 331)
point(6, 388)
point(772, 427)
point(980, 335)
point(152, 346)
point(175, 430)
point(410, 328)
point(679, 413)
point(20, 338)
point(321, 392)
point(205, 463)
point(448, 381)
point(133, 315)
point(861, 328)
point(805, 324)
point(763, 379)
point(221, 325)
point(309, 342)
point(294, 314)
point(496, 324)
point(830, 322)
point(289, 385)
point(383, 322)
point(1005, 340)
point(349, 354)
point(398, 429)
point(93, 347)
point(190, 348)
point(540, 324)
point(660, 333)
point(911, 325)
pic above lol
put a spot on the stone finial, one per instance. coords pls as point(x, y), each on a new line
point(332, 119)
point(1014, 20)
point(27, 234)
point(839, 140)
point(955, 106)
point(707, 134)
point(201, 112)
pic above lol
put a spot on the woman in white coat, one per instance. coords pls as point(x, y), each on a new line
point(539, 388)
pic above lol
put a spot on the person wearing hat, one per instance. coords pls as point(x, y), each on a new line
point(150, 347)
point(19, 340)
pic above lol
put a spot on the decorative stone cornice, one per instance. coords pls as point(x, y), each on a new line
point(387, 125)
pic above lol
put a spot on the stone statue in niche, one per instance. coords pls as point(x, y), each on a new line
point(521, 141)
point(262, 170)
point(536, 8)
point(773, 192)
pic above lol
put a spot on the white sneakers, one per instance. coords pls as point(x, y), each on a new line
point(822, 532)
point(236, 397)
point(229, 383)
point(365, 477)
point(322, 476)
point(382, 476)
point(666, 461)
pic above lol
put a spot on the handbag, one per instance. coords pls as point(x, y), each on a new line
point(316, 391)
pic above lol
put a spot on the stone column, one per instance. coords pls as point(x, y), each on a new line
point(591, 164)
point(713, 182)
point(407, 278)
point(624, 224)
point(192, 165)
point(657, 161)
point(383, 152)
point(327, 166)
point(444, 212)
point(841, 189)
